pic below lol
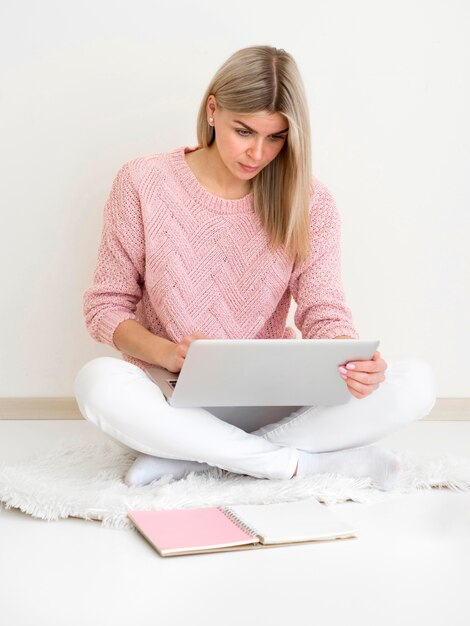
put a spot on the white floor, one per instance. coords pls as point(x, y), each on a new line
point(409, 565)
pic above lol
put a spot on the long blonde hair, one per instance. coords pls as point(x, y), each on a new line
point(266, 79)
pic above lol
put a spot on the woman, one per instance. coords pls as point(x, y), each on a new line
point(213, 241)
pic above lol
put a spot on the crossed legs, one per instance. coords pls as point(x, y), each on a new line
point(121, 400)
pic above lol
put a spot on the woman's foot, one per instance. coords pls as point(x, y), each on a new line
point(379, 464)
point(146, 469)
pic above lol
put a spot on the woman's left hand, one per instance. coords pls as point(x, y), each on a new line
point(364, 377)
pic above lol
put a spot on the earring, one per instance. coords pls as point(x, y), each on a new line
point(211, 121)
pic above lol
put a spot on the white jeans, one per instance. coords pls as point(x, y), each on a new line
point(121, 399)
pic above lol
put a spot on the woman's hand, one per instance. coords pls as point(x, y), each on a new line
point(175, 353)
point(364, 377)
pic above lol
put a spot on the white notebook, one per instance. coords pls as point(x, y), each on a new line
point(215, 529)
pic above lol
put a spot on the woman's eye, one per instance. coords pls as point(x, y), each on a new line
point(277, 137)
point(243, 132)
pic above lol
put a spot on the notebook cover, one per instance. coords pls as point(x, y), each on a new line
point(179, 531)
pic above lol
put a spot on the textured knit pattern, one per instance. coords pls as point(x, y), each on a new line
point(179, 259)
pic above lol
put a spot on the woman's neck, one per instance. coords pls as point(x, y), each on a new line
point(212, 173)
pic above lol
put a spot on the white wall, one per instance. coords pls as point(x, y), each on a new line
point(87, 86)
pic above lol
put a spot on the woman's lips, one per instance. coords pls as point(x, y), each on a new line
point(248, 169)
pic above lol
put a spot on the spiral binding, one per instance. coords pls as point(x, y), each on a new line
point(240, 523)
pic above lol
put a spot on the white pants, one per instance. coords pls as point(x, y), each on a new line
point(121, 399)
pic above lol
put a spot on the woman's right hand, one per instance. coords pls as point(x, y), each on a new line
point(176, 352)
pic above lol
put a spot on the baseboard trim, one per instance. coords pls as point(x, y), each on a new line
point(39, 409)
point(453, 409)
point(457, 409)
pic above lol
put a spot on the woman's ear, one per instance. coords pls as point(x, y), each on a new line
point(211, 105)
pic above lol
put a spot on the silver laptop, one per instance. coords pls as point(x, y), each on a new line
point(262, 372)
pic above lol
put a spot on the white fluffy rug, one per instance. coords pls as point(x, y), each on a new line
point(82, 479)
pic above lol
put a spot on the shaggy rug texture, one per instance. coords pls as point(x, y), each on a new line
point(76, 478)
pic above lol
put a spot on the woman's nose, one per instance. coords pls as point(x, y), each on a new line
point(256, 150)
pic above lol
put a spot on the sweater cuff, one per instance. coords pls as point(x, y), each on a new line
point(349, 331)
point(337, 330)
point(111, 321)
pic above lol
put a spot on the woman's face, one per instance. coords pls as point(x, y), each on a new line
point(247, 143)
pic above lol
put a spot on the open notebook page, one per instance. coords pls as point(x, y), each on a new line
point(302, 520)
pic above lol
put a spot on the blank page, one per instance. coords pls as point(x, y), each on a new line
point(303, 520)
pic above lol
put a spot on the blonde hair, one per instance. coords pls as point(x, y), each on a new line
point(266, 79)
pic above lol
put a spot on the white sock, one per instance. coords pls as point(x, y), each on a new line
point(146, 469)
point(379, 464)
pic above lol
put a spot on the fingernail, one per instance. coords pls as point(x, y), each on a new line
point(350, 366)
point(344, 377)
point(343, 370)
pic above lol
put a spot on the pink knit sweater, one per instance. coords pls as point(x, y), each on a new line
point(179, 259)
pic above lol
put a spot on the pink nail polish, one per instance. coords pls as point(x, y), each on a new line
point(350, 366)
point(343, 370)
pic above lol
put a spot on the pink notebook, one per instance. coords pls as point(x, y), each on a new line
point(180, 531)
point(216, 529)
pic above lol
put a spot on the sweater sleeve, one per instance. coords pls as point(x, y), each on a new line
point(118, 275)
point(315, 283)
